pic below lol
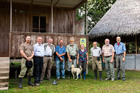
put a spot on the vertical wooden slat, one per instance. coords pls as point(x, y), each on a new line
point(52, 16)
point(10, 15)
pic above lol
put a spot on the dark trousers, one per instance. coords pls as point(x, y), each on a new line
point(38, 66)
point(83, 65)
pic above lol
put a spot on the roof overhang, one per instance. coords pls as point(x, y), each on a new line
point(56, 3)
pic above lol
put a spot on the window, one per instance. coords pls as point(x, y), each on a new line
point(39, 24)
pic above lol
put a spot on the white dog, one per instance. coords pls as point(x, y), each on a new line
point(77, 71)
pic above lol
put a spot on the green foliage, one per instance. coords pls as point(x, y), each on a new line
point(95, 11)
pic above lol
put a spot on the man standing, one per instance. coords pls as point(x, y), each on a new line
point(38, 60)
point(49, 50)
point(27, 53)
point(96, 60)
point(108, 57)
point(60, 59)
point(120, 50)
point(72, 51)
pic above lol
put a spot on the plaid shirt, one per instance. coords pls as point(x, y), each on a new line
point(107, 50)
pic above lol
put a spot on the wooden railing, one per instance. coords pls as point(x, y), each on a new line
point(17, 38)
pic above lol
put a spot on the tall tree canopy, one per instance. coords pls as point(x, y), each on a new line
point(95, 11)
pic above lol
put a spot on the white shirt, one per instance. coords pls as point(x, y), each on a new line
point(38, 50)
point(96, 52)
point(48, 51)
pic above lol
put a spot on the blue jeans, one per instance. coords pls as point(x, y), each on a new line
point(58, 65)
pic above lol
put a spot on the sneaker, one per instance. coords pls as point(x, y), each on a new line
point(58, 78)
point(112, 79)
point(108, 79)
point(37, 84)
point(63, 77)
point(123, 78)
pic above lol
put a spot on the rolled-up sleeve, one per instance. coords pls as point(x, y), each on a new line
point(124, 48)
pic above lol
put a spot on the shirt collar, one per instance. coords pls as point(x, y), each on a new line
point(38, 44)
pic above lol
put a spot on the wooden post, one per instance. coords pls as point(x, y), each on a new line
point(52, 16)
point(136, 44)
point(86, 31)
point(10, 15)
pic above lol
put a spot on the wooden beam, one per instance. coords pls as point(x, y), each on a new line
point(52, 16)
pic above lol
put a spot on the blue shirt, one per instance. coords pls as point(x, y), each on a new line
point(60, 51)
point(38, 50)
point(119, 49)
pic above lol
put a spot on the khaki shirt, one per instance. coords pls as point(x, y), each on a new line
point(27, 49)
point(72, 50)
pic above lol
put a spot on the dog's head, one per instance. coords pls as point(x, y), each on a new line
point(72, 66)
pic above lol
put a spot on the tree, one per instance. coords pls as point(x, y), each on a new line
point(95, 11)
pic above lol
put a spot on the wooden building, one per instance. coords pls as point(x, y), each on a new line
point(46, 18)
point(122, 19)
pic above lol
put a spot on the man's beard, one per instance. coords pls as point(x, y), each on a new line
point(107, 44)
point(72, 44)
point(118, 41)
point(61, 44)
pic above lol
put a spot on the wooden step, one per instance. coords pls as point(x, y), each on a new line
point(4, 88)
point(4, 84)
point(1, 72)
point(4, 77)
point(4, 72)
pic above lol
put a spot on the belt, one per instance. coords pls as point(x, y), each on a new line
point(47, 56)
point(119, 54)
point(38, 56)
point(96, 57)
point(107, 56)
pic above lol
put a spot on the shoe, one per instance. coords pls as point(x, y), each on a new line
point(108, 79)
point(63, 77)
point(123, 78)
point(20, 83)
point(29, 81)
point(100, 72)
point(112, 79)
point(37, 84)
point(58, 78)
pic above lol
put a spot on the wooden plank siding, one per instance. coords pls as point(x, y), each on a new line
point(18, 38)
point(64, 21)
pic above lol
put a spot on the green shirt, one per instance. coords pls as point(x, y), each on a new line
point(72, 50)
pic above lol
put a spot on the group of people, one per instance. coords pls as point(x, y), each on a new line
point(108, 52)
point(37, 59)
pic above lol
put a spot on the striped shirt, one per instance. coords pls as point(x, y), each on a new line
point(107, 50)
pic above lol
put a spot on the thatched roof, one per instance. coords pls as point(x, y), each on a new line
point(123, 18)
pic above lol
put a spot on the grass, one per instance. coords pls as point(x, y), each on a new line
point(131, 85)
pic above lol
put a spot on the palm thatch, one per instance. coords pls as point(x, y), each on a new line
point(123, 18)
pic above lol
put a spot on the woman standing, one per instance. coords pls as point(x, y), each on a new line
point(82, 58)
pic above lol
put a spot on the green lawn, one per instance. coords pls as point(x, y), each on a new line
point(131, 85)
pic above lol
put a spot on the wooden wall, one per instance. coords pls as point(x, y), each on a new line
point(64, 21)
point(19, 38)
point(4, 29)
